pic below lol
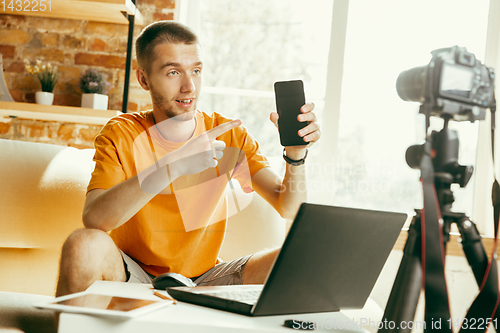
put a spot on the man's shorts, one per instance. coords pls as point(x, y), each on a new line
point(225, 273)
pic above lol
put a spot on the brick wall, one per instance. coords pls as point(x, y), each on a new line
point(54, 132)
point(73, 46)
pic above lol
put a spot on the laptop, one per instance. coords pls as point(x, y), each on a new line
point(330, 261)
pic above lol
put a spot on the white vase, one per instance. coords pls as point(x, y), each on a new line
point(44, 98)
point(95, 101)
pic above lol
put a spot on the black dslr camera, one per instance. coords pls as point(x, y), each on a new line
point(453, 85)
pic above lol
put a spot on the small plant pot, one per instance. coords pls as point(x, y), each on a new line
point(95, 101)
point(44, 98)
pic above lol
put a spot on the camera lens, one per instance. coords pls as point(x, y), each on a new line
point(411, 84)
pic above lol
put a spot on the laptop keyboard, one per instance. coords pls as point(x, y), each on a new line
point(245, 296)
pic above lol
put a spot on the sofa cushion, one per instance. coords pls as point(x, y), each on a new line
point(256, 227)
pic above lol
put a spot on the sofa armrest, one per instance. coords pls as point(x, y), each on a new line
point(41, 200)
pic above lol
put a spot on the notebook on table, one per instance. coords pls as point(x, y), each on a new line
point(330, 261)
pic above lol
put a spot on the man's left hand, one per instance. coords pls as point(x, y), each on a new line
point(309, 133)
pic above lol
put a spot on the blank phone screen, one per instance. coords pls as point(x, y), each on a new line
point(289, 99)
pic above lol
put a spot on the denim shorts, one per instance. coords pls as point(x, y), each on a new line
point(225, 273)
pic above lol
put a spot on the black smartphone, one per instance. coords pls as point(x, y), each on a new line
point(289, 99)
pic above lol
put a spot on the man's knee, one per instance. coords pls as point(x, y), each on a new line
point(258, 266)
point(88, 255)
point(89, 247)
point(83, 241)
point(268, 254)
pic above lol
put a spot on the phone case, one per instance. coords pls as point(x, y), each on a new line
point(289, 99)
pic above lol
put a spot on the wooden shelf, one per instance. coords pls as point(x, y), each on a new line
point(56, 113)
point(454, 246)
point(110, 11)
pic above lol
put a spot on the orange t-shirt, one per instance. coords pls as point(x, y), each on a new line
point(181, 229)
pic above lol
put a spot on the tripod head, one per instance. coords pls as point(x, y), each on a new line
point(447, 170)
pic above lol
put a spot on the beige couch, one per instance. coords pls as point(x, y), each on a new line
point(42, 191)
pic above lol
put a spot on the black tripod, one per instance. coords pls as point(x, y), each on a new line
point(405, 292)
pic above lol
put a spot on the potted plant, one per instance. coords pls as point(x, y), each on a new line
point(94, 87)
point(47, 75)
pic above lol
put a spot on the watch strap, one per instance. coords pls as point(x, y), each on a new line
point(294, 162)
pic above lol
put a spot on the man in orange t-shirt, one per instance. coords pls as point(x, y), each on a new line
point(156, 200)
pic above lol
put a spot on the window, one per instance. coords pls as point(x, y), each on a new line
point(383, 39)
point(360, 160)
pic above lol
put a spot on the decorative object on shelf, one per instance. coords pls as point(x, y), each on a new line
point(48, 76)
point(4, 91)
point(44, 97)
point(94, 87)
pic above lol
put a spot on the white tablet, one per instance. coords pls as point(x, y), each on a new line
point(103, 305)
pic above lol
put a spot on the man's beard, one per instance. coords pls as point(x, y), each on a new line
point(162, 103)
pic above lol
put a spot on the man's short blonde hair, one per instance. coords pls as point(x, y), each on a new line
point(157, 33)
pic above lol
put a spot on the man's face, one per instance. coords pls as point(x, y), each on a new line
point(175, 79)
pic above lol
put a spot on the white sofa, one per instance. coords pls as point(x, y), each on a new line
point(42, 192)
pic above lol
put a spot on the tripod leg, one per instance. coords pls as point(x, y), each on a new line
point(473, 248)
point(405, 292)
point(474, 251)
